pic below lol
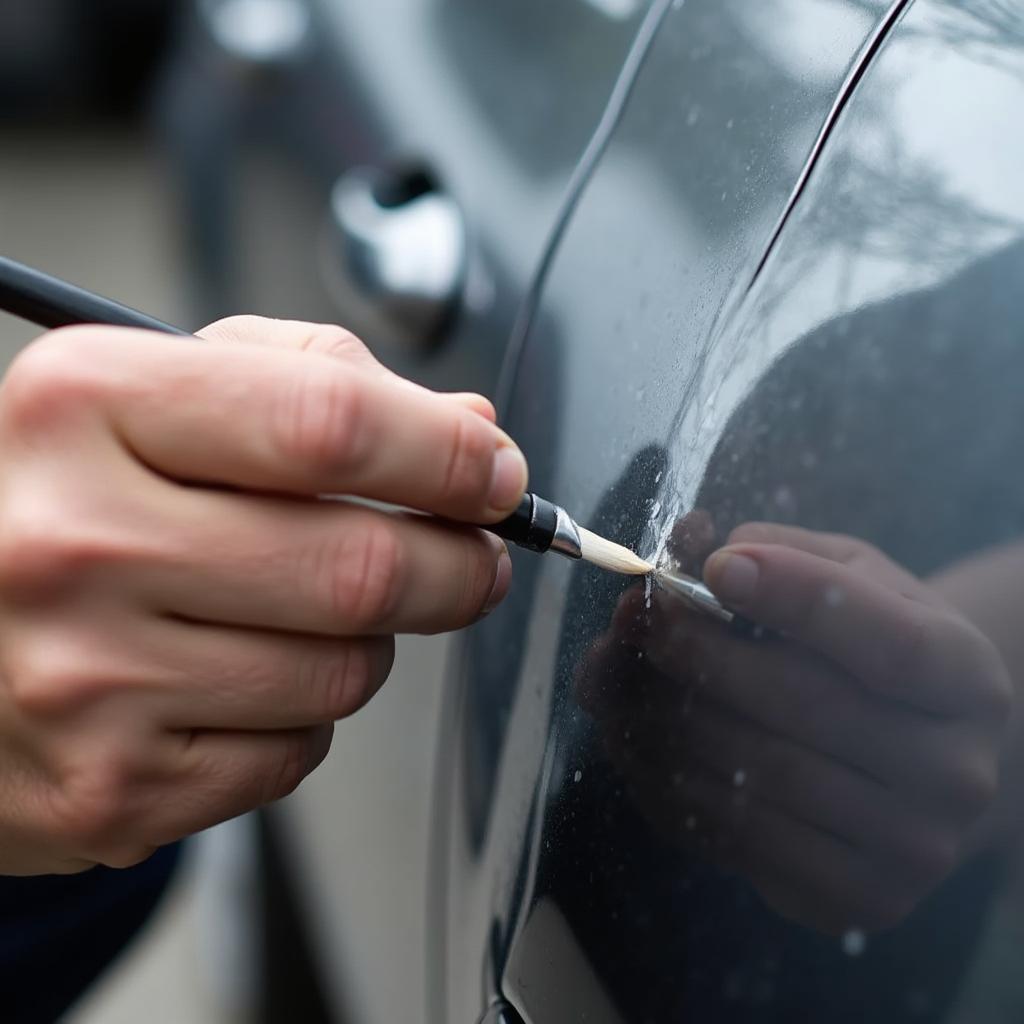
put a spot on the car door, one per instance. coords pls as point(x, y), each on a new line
point(789, 293)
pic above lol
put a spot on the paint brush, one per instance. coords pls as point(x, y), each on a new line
point(537, 524)
point(540, 525)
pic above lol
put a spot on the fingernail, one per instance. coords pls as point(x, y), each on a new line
point(502, 581)
point(733, 577)
point(508, 479)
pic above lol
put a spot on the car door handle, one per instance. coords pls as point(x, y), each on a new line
point(257, 33)
point(400, 243)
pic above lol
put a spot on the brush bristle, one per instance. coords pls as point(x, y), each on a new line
point(611, 556)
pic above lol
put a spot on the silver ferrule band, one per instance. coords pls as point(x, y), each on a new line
point(567, 537)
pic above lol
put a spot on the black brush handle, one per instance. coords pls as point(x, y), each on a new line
point(51, 302)
point(531, 526)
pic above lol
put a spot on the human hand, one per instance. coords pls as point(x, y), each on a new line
point(181, 618)
point(841, 765)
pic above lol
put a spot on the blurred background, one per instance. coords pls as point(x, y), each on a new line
point(86, 192)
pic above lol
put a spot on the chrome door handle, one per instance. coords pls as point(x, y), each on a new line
point(400, 244)
point(257, 33)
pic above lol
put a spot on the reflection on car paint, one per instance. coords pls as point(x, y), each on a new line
point(646, 826)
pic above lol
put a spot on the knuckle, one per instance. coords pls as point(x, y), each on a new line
point(362, 576)
point(240, 328)
point(50, 378)
point(467, 474)
point(332, 340)
point(753, 532)
point(319, 422)
point(44, 555)
point(343, 682)
point(47, 677)
point(857, 553)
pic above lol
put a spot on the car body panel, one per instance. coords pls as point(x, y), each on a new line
point(702, 343)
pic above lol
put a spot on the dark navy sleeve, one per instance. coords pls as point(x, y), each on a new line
point(58, 932)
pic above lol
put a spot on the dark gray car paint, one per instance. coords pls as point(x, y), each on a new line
point(835, 393)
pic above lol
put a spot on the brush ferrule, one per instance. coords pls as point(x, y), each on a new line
point(566, 540)
point(540, 525)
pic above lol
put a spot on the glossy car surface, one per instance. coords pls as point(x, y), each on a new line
point(788, 291)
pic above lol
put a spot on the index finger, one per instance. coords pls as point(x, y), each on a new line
point(291, 421)
point(323, 339)
point(897, 647)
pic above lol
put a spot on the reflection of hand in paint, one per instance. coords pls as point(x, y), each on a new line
point(839, 766)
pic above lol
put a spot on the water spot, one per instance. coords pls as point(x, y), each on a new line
point(691, 823)
point(854, 942)
point(693, 116)
point(834, 596)
point(785, 499)
point(577, 776)
point(730, 122)
point(739, 778)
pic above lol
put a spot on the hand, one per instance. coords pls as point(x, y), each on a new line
point(181, 618)
point(840, 766)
